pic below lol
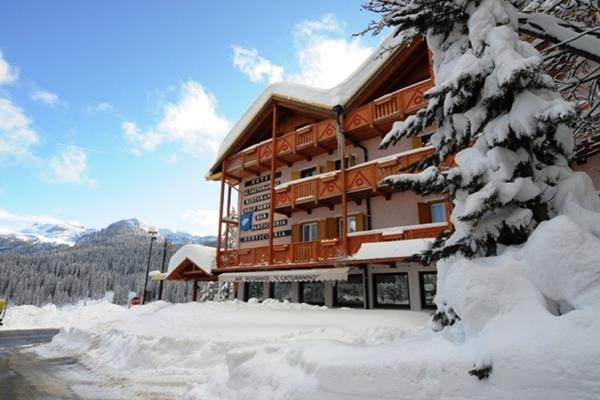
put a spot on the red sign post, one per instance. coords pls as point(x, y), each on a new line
point(136, 301)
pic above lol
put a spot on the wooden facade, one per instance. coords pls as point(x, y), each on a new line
point(286, 133)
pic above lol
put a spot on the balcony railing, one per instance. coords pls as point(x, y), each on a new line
point(325, 251)
point(308, 141)
point(363, 180)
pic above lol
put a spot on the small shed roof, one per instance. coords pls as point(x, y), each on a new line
point(192, 261)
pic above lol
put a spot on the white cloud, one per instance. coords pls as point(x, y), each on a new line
point(308, 29)
point(205, 221)
point(8, 73)
point(192, 122)
point(16, 134)
point(45, 97)
point(101, 107)
point(256, 67)
point(325, 56)
point(70, 166)
point(173, 159)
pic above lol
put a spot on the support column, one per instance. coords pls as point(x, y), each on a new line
point(228, 215)
point(366, 286)
point(220, 227)
point(194, 290)
point(272, 188)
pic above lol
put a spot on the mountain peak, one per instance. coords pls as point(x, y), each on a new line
point(45, 236)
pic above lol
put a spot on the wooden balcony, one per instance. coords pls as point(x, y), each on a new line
point(370, 120)
point(362, 181)
point(321, 252)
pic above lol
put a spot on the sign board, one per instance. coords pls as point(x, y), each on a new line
point(246, 222)
point(136, 301)
point(254, 218)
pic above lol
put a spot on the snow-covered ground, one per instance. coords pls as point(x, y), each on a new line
point(272, 350)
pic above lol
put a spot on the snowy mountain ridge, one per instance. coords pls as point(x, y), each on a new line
point(42, 237)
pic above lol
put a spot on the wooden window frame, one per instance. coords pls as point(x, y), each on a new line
point(442, 204)
point(312, 222)
point(424, 210)
point(338, 220)
point(315, 167)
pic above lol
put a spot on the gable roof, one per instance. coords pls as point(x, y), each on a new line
point(193, 257)
point(325, 99)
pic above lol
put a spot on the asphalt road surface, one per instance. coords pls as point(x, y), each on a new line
point(18, 338)
point(25, 376)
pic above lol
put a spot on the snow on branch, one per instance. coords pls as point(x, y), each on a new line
point(576, 38)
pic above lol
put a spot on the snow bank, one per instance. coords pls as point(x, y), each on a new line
point(181, 349)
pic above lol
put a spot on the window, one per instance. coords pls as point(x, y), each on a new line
point(309, 231)
point(305, 173)
point(254, 290)
point(391, 290)
point(425, 139)
point(438, 212)
point(282, 291)
point(428, 288)
point(313, 293)
point(350, 161)
point(350, 293)
point(352, 227)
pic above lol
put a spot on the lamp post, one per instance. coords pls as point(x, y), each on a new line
point(152, 232)
point(162, 268)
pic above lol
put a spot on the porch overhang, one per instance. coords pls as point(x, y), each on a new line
point(305, 275)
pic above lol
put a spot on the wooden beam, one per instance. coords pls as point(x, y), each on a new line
point(221, 213)
point(272, 188)
point(194, 290)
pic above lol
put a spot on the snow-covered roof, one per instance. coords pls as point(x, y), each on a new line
point(390, 250)
point(203, 256)
point(325, 98)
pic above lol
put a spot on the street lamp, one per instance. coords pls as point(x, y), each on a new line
point(152, 232)
point(162, 268)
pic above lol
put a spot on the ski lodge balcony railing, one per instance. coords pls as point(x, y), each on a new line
point(361, 123)
point(306, 254)
point(362, 181)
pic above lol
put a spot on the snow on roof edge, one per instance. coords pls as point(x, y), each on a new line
point(326, 98)
point(203, 256)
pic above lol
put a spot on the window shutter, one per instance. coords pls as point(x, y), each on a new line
point(332, 228)
point(317, 169)
point(424, 213)
point(295, 175)
point(322, 229)
point(416, 142)
point(360, 222)
point(330, 166)
point(296, 233)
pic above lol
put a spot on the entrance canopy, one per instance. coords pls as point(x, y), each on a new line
point(305, 275)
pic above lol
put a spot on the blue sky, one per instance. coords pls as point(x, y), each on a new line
point(114, 109)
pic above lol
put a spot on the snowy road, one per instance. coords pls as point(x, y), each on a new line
point(15, 338)
point(26, 376)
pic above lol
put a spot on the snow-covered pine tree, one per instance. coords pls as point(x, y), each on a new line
point(496, 110)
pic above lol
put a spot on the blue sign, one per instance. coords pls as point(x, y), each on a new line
point(246, 222)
